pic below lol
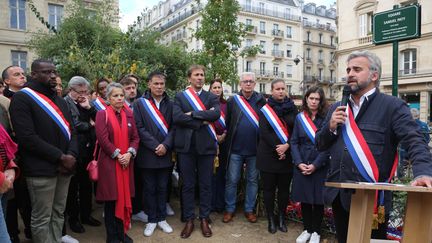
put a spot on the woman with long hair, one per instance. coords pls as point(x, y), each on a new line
point(310, 165)
point(273, 155)
point(218, 180)
point(118, 138)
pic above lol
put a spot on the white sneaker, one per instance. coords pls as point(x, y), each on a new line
point(169, 210)
point(303, 237)
point(149, 229)
point(68, 239)
point(315, 238)
point(165, 227)
point(141, 216)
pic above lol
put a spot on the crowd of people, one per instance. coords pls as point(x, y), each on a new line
point(48, 137)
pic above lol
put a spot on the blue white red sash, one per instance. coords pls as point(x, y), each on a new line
point(279, 128)
point(197, 105)
point(247, 110)
point(308, 125)
point(221, 120)
point(51, 109)
point(155, 115)
point(99, 104)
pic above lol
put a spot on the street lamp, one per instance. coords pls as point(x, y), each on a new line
point(297, 60)
point(302, 83)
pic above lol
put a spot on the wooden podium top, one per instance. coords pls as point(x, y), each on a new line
point(378, 186)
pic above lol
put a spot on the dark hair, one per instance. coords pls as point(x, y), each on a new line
point(153, 74)
point(275, 82)
point(322, 107)
point(127, 81)
point(36, 63)
point(193, 68)
point(5, 74)
point(218, 80)
point(100, 80)
point(130, 75)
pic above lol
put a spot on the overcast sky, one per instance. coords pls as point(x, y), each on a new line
point(130, 9)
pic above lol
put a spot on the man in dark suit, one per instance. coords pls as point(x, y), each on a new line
point(194, 110)
point(384, 122)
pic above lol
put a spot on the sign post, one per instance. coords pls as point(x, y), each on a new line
point(395, 25)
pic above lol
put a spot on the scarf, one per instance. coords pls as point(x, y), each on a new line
point(123, 207)
point(282, 108)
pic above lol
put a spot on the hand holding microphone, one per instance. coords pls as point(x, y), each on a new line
point(338, 117)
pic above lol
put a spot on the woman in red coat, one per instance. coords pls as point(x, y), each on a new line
point(118, 139)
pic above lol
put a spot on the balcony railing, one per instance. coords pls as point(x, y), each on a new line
point(277, 53)
point(277, 33)
point(269, 12)
point(268, 74)
point(319, 26)
point(365, 40)
point(180, 18)
point(251, 29)
point(179, 36)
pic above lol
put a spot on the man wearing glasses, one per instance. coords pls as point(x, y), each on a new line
point(83, 116)
point(242, 140)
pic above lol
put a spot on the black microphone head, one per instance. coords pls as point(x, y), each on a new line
point(346, 90)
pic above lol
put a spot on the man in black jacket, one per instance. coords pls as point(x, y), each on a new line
point(384, 121)
point(48, 148)
point(195, 142)
point(242, 139)
point(153, 115)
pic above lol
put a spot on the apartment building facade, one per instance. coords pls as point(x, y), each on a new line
point(18, 22)
point(276, 27)
point(354, 25)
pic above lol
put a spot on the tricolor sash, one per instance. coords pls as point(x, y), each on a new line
point(155, 115)
point(99, 104)
point(247, 110)
point(364, 161)
point(51, 109)
point(279, 128)
point(308, 125)
point(197, 105)
point(221, 120)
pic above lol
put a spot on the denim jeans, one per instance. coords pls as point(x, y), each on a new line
point(4, 236)
point(232, 178)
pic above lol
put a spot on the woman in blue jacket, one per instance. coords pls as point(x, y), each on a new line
point(310, 165)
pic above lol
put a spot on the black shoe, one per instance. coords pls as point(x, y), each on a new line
point(271, 224)
point(127, 239)
point(76, 226)
point(282, 225)
point(91, 221)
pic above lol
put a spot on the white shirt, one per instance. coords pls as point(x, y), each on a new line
point(355, 107)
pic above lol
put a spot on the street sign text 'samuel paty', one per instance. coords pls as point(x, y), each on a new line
point(396, 24)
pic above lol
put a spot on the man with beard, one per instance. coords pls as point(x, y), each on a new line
point(48, 148)
point(130, 88)
point(383, 121)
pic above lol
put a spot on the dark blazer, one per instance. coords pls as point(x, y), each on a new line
point(106, 186)
point(308, 188)
point(234, 114)
point(191, 130)
point(151, 136)
point(40, 140)
point(267, 157)
point(384, 122)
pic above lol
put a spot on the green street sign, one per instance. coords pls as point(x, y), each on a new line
point(396, 24)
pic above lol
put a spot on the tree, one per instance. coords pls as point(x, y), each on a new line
point(88, 45)
point(222, 36)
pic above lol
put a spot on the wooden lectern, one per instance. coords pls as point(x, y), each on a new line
point(418, 215)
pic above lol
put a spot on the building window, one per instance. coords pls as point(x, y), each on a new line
point(261, 8)
point(320, 56)
point(262, 47)
point(289, 89)
point(287, 13)
point(234, 88)
point(331, 40)
point(197, 24)
point(289, 32)
point(17, 14)
point(365, 24)
point(262, 68)
point(308, 36)
point(308, 53)
point(332, 77)
point(262, 27)
point(55, 15)
point(19, 58)
point(308, 71)
point(248, 43)
point(262, 88)
point(275, 29)
point(320, 38)
point(248, 5)
point(320, 74)
point(248, 22)
point(409, 61)
point(289, 51)
point(276, 70)
point(289, 71)
point(331, 57)
point(248, 66)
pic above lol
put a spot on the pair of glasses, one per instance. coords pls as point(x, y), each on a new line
point(81, 92)
point(248, 81)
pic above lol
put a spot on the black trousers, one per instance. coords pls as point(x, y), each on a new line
point(271, 182)
point(218, 186)
point(193, 165)
point(113, 225)
point(312, 217)
point(154, 183)
point(341, 217)
point(21, 202)
point(79, 200)
point(137, 201)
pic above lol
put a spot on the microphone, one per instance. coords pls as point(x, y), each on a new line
point(345, 95)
